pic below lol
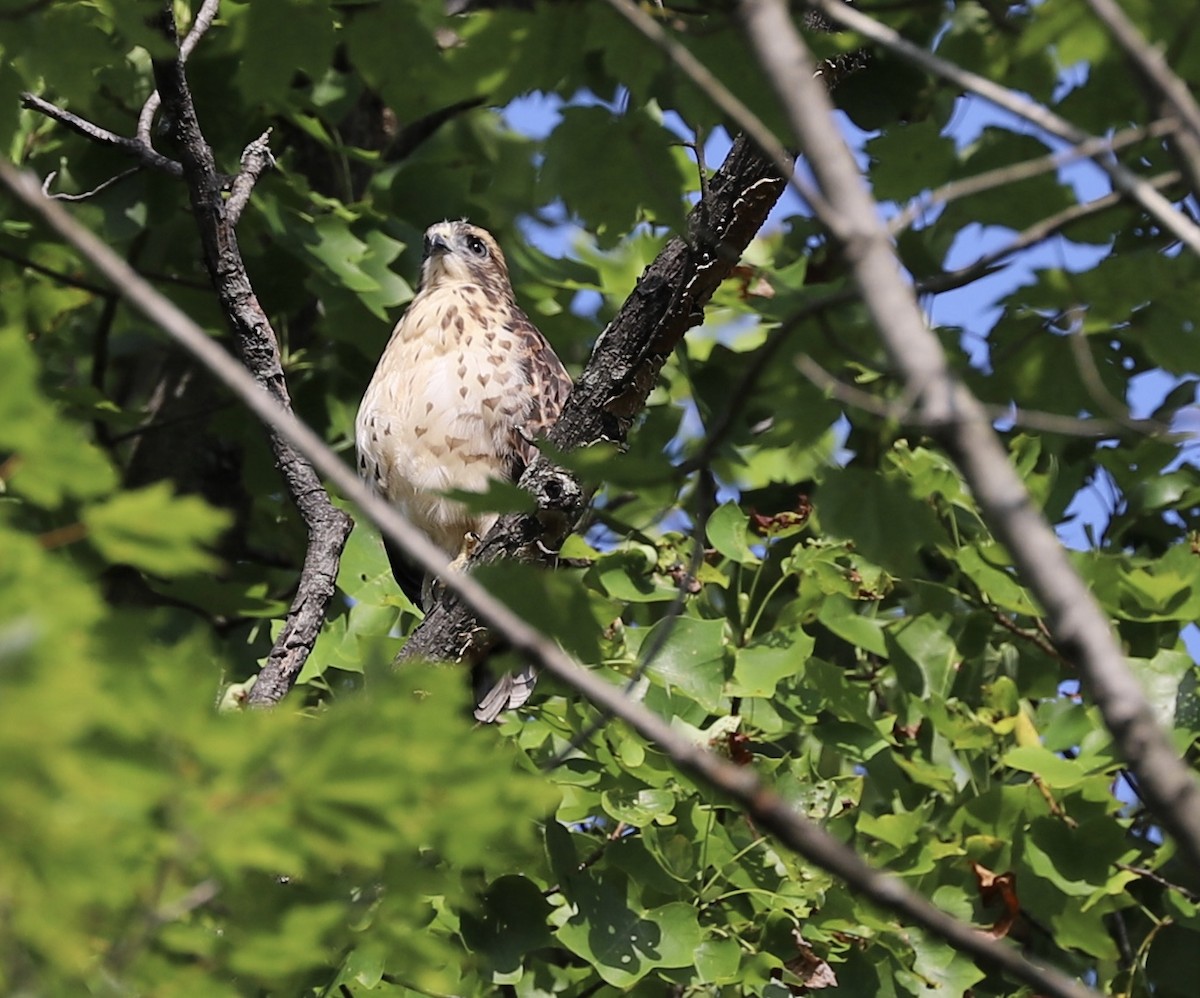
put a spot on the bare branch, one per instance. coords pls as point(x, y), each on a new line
point(62, 196)
point(1154, 70)
point(1032, 419)
point(145, 122)
point(1003, 175)
point(255, 159)
point(328, 527)
point(204, 20)
point(741, 785)
point(1036, 233)
point(1124, 180)
point(132, 147)
point(70, 280)
point(1080, 630)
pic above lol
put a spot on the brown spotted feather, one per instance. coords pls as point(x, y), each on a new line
point(464, 386)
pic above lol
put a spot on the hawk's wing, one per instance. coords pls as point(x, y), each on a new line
point(549, 386)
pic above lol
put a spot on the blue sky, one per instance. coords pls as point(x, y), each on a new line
point(971, 308)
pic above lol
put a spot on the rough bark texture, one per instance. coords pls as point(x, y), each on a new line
point(328, 527)
point(668, 300)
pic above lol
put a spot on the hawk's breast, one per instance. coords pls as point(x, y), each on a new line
point(443, 410)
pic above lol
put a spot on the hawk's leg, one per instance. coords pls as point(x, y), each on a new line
point(432, 589)
point(471, 542)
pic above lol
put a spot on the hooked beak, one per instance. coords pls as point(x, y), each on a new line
point(435, 243)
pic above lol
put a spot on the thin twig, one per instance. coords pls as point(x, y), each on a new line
point(741, 784)
point(132, 147)
point(62, 196)
point(1150, 875)
point(1004, 175)
point(1030, 419)
point(57, 275)
point(1154, 69)
point(256, 158)
point(1036, 233)
point(204, 19)
point(1124, 179)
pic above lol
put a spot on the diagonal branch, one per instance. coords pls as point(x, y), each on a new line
point(741, 785)
point(1003, 175)
point(1080, 629)
point(328, 527)
point(1153, 68)
point(1040, 230)
point(1123, 179)
point(668, 300)
point(133, 147)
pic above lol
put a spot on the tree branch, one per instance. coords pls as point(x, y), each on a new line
point(1036, 233)
point(1123, 179)
point(668, 300)
point(1080, 630)
point(1003, 175)
point(1153, 68)
point(133, 147)
point(203, 21)
point(740, 784)
point(328, 527)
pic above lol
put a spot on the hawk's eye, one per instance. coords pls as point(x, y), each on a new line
point(477, 246)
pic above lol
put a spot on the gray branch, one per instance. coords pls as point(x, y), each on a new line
point(741, 785)
point(1081, 631)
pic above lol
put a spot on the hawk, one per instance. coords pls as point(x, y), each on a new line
point(465, 385)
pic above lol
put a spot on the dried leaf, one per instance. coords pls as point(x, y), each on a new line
point(1002, 888)
point(813, 972)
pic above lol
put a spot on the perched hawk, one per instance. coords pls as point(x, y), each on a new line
point(464, 386)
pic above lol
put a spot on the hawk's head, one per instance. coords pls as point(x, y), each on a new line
point(462, 253)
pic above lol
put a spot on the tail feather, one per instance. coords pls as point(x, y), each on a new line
point(409, 577)
point(511, 691)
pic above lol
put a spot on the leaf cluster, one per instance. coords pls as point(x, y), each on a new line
point(838, 617)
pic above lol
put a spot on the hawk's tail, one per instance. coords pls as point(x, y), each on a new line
point(511, 691)
point(408, 576)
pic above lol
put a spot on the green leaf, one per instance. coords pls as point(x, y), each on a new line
point(925, 656)
point(1057, 772)
point(623, 942)
point(885, 522)
point(926, 156)
point(717, 961)
point(155, 531)
point(639, 808)
point(692, 658)
point(554, 602)
point(500, 497)
point(284, 38)
point(760, 665)
point(728, 530)
point(591, 157)
point(510, 925)
point(841, 617)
